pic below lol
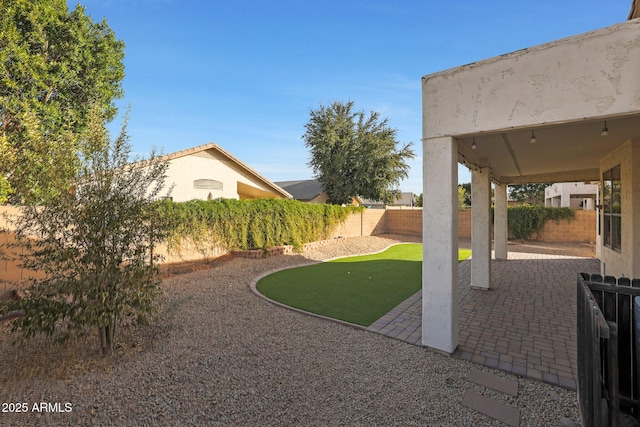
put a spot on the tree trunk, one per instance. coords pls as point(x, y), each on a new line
point(106, 338)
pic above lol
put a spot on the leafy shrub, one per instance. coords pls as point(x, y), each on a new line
point(525, 220)
point(94, 247)
point(249, 224)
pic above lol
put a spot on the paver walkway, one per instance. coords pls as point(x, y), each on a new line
point(525, 324)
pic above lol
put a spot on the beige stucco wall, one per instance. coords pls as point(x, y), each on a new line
point(183, 171)
point(627, 261)
point(552, 83)
point(320, 198)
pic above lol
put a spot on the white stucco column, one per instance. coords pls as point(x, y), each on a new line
point(440, 242)
point(481, 228)
point(500, 226)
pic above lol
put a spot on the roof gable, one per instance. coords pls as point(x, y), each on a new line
point(214, 150)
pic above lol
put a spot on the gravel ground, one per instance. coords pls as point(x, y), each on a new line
point(219, 355)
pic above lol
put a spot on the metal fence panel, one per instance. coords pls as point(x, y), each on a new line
point(608, 348)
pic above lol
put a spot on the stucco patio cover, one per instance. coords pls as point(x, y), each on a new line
point(484, 115)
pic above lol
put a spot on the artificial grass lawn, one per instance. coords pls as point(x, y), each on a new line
point(357, 289)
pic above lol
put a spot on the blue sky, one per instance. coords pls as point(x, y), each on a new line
point(245, 74)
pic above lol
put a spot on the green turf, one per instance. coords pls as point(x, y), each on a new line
point(357, 289)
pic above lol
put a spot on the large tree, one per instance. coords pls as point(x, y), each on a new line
point(55, 65)
point(94, 247)
point(353, 154)
point(530, 194)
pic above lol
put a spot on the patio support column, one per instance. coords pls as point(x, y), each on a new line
point(481, 228)
point(500, 227)
point(440, 244)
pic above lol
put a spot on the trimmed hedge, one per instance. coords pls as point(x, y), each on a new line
point(250, 224)
point(525, 220)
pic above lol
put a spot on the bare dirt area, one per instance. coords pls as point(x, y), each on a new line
point(583, 250)
point(219, 355)
point(573, 249)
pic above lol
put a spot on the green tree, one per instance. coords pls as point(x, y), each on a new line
point(530, 194)
point(55, 65)
point(419, 200)
point(467, 193)
point(95, 246)
point(355, 155)
point(462, 194)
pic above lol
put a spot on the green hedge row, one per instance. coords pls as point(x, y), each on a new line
point(525, 220)
point(249, 224)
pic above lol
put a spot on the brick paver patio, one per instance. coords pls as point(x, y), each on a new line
point(525, 324)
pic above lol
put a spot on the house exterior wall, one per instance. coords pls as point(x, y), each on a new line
point(626, 262)
point(558, 195)
point(561, 85)
point(320, 198)
point(183, 171)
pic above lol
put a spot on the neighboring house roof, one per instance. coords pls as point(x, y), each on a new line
point(307, 190)
point(303, 190)
point(405, 199)
point(215, 147)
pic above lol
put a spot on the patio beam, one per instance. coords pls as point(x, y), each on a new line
point(567, 176)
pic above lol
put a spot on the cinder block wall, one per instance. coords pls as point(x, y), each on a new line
point(581, 229)
point(404, 221)
point(10, 270)
point(409, 222)
point(369, 222)
point(188, 252)
point(366, 223)
point(464, 223)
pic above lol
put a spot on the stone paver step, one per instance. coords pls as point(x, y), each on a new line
point(507, 414)
point(493, 382)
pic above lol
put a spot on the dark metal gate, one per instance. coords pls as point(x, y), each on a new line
point(608, 347)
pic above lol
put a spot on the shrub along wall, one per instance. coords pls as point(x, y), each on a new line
point(249, 224)
point(581, 229)
point(207, 229)
point(523, 221)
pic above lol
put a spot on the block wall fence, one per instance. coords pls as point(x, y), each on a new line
point(581, 229)
point(406, 221)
